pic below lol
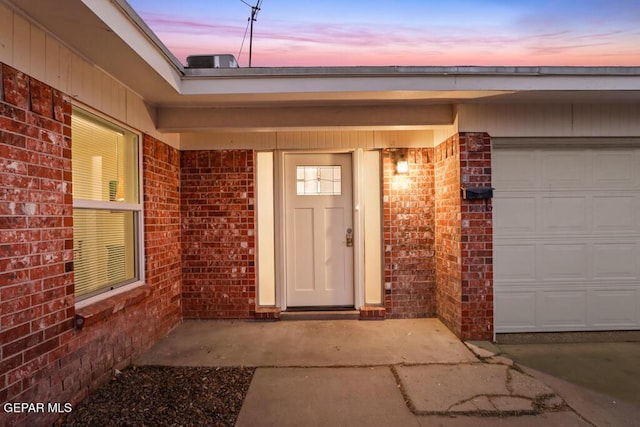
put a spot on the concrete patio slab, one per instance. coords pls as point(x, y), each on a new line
point(396, 372)
point(308, 343)
point(472, 388)
point(521, 384)
point(364, 397)
point(325, 397)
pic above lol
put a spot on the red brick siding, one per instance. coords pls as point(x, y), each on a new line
point(162, 233)
point(464, 237)
point(36, 236)
point(43, 358)
point(447, 217)
point(476, 239)
point(218, 234)
point(408, 221)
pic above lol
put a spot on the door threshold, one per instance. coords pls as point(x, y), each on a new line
point(320, 313)
point(320, 308)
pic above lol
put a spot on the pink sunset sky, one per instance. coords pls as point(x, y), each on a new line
point(402, 32)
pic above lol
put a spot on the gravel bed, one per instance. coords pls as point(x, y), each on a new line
point(165, 396)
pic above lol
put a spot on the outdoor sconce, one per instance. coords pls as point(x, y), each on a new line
point(401, 160)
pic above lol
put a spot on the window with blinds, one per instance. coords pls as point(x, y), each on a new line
point(106, 204)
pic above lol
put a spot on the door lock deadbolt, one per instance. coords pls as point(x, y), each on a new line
point(349, 237)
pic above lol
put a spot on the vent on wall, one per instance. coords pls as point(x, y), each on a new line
point(212, 61)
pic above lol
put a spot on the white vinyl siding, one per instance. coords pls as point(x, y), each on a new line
point(307, 140)
point(551, 120)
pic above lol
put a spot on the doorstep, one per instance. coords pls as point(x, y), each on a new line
point(321, 315)
point(365, 313)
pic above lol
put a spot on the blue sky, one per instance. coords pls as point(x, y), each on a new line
point(403, 32)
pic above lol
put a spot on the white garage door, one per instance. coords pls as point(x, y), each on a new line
point(566, 239)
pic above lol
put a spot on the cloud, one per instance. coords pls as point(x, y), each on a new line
point(545, 35)
point(160, 23)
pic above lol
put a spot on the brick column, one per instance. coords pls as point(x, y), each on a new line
point(448, 233)
point(464, 237)
point(476, 239)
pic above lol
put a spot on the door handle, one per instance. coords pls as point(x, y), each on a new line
point(349, 237)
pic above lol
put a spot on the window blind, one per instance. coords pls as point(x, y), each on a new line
point(105, 176)
point(104, 162)
point(103, 249)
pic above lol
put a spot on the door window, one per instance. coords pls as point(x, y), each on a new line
point(318, 180)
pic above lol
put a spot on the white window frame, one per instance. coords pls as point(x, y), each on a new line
point(136, 208)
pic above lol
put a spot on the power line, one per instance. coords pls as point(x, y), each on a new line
point(243, 38)
point(254, 16)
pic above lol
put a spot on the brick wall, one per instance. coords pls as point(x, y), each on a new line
point(476, 239)
point(447, 229)
point(42, 357)
point(408, 221)
point(464, 235)
point(218, 234)
point(36, 237)
point(162, 233)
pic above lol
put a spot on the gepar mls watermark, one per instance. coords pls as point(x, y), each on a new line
point(37, 407)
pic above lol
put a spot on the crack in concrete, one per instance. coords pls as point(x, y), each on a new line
point(509, 382)
point(487, 404)
point(539, 404)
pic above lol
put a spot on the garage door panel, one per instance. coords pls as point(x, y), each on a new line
point(614, 308)
point(518, 310)
point(520, 169)
point(517, 215)
point(615, 213)
point(615, 260)
point(565, 309)
point(518, 261)
point(563, 213)
point(566, 238)
point(560, 261)
point(563, 168)
point(613, 169)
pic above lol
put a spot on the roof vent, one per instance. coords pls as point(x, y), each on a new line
point(212, 61)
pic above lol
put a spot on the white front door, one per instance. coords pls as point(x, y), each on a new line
point(319, 230)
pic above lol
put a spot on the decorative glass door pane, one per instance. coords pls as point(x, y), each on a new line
point(318, 180)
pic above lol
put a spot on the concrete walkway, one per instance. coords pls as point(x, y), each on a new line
point(381, 373)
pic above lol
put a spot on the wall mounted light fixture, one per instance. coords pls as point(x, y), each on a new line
point(401, 160)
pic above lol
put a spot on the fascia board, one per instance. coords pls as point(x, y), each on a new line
point(471, 81)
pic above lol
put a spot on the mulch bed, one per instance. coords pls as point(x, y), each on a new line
point(165, 396)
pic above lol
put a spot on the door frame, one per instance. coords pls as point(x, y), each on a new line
point(358, 223)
